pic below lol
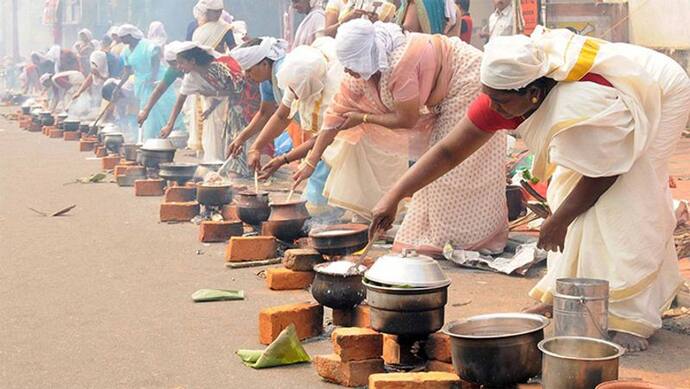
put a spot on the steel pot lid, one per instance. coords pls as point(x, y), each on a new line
point(407, 269)
point(158, 145)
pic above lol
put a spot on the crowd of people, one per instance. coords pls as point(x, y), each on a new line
point(383, 101)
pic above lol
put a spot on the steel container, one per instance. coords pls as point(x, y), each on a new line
point(580, 308)
point(573, 362)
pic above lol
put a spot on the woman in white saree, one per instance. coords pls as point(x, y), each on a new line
point(602, 120)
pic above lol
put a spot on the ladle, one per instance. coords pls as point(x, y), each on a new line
point(355, 266)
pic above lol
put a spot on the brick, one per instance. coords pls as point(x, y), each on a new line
point(120, 170)
point(440, 366)
point(356, 317)
point(250, 248)
point(24, 124)
point(136, 171)
point(56, 134)
point(101, 152)
point(529, 386)
point(280, 278)
point(47, 129)
point(71, 136)
point(109, 162)
point(87, 145)
point(230, 212)
point(220, 231)
point(357, 344)
point(438, 347)
point(351, 374)
point(124, 162)
point(430, 380)
point(180, 194)
point(150, 187)
point(396, 352)
point(307, 318)
point(301, 259)
point(178, 212)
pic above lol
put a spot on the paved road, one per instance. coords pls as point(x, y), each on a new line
point(101, 298)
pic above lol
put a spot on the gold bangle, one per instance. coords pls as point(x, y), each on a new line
point(365, 119)
point(311, 165)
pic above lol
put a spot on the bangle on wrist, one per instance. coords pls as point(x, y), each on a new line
point(285, 159)
point(365, 118)
point(308, 163)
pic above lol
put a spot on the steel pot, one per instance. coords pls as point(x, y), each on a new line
point(26, 109)
point(253, 208)
point(178, 172)
point(71, 125)
point(178, 139)
point(497, 350)
point(408, 269)
point(406, 311)
point(289, 210)
point(337, 291)
point(153, 158)
point(572, 362)
point(130, 151)
point(129, 178)
point(214, 195)
point(285, 230)
point(47, 118)
point(84, 128)
point(340, 239)
point(113, 141)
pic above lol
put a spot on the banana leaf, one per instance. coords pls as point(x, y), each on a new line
point(285, 350)
point(208, 295)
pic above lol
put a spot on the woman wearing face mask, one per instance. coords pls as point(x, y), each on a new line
point(422, 83)
point(602, 120)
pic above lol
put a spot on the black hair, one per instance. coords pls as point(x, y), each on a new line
point(464, 5)
point(107, 39)
point(255, 42)
point(543, 84)
point(108, 91)
point(198, 55)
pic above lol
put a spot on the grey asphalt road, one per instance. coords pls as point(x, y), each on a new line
point(101, 298)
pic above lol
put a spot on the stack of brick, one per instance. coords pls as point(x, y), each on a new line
point(297, 271)
point(71, 136)
point(438, 353)
point(357, 355)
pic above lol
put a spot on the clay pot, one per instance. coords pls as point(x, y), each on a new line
point(291, 210)
point(252, 207)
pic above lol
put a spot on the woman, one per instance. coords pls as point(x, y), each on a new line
point(428, 16)
point(61, 88)
point(142, 58)
point(309, 78)
point(260, 59)
point(602, 119)
point(83, 47)
point(236, 101)
point(125, 106)
point(313, 22)
point(339, 12)
point(157, 34)
point(411, 73)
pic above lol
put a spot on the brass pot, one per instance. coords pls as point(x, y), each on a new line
point(252, 207)
point(289, 210)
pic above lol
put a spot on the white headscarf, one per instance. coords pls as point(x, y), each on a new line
point(128, 29)
point(87, 32)
point(177, 47)
point(199, 14)
point(99, 64)
point(303, 71)
point(513, 62)
point(315, 3)
point(226, 17)
point(364, 48)
point(249, 56)
point(212, 5)
point(157, 33)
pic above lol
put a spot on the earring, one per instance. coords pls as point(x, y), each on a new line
point(535, 100)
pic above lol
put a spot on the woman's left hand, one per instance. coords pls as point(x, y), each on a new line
point(254, 159)
point(303, 173)
point(552, 234)
point(352, 119)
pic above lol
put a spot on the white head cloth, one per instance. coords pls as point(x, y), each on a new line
point(512, 62)
point(172, 49)
point(226, 17)
point(99, 63)
point(210, 5)
point(303, 71)
point(128, 29)
point(87, 32)
point(364, 48)
point(157, 33)
point(271, 48)
point(113, 31)
point(315, 3)
point(199, 13)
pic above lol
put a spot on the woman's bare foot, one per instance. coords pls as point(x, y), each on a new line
point(540, 309)
point(631, 343)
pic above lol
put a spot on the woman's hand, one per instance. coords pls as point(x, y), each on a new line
point(303, 173)
point(383, 215)
point(142, 116)
point(165, 131)
point(235, 148)
point(552, 234)
point(271, 167)
point(352, 119)
point(254, 159)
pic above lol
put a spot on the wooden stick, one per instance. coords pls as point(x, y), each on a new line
point(256, 181)
point(242, 265)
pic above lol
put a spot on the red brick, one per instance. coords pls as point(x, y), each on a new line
point(391, 349)
point(87, 145)
point(124, 162)
point(430, 380)
point(178, 212)
point(438, 347)
point(24, 124)
point(529, 386)
point(280, 278)
point(136, 170)
point(109, 163)
point(180, 194)
point(356, 317)
point(220, 231)
point(301, 259)
point(351, 374)
point(56, 134)
point(47, 129)
point(307, 318)
point(120, 170)
point(250, 248)
point(150, 187)
point(357, 344)
point(230, 212)
point(440, 366)
point(101, 152)
point(71, 136)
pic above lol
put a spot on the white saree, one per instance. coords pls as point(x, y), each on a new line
point(587, 129)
